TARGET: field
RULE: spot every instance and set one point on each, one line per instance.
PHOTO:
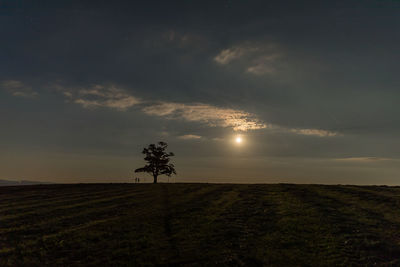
(199, 224)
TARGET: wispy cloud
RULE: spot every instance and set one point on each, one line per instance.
(314, 132)
(113, 97)
(18, 88)
(364, 159)
(102, 96)
(189, 137)
(263, 65)
(228, 55)
(257, 58)
(208, 114)
(213, 116)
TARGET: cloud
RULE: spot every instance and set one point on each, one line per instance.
(18, 88)
(213, 116)
(256, 58)
(208, 114)
(261, 69)
(228, 55)
(263, 65)
(363, 159)
(102, 96)
(314, 132)
(190, 136)
(223, 117)
(113, 97)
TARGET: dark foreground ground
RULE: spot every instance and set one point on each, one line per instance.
(199, 224)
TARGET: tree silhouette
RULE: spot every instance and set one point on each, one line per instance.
(157, 161)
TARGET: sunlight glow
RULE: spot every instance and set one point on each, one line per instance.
(238, 139)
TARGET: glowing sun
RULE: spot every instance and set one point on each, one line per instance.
(238, 139)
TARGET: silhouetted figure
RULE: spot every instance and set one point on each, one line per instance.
(157, 161)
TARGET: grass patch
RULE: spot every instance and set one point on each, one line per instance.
(199, 224)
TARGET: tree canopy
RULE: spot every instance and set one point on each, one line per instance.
(158, 161)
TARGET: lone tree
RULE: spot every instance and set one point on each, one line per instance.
(157, 161)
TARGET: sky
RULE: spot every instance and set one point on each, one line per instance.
(311, 87)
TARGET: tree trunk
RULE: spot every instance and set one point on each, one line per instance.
(155, 179)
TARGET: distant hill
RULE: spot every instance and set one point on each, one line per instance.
(199, 225)
(21, 182)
